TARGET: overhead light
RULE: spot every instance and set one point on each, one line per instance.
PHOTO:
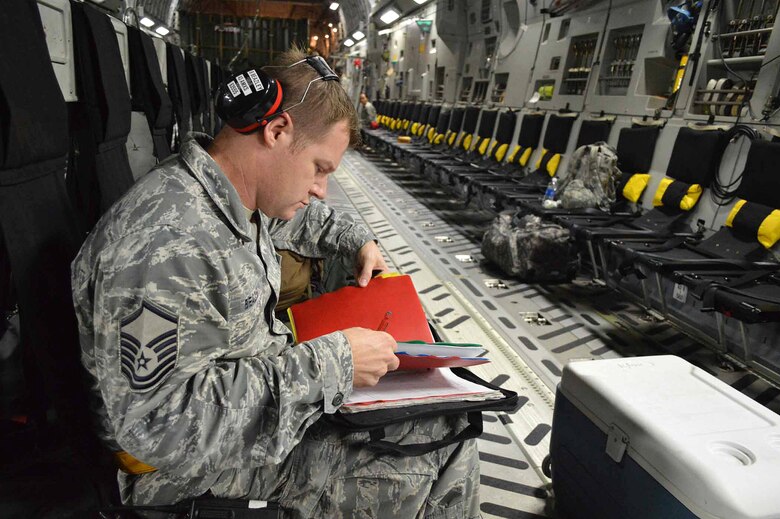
(334, 6)
(327, 36)
(162, 31)
(384, 31)
(420, 2)
(330, 24)
(389, 16)
(335, 30)
(348, 42)
(358, 35)
(147, 22)
(315, 37)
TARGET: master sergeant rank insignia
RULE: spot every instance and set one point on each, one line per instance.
(148, 346)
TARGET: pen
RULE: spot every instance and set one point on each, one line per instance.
(385, 322)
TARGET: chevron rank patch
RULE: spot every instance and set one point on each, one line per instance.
(148, 346)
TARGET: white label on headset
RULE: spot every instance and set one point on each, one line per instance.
(256, 80)
(234, 89)
(242, 82)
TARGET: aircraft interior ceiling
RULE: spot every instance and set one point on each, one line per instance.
(485, 109)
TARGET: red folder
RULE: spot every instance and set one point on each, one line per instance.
(365, 307)
(415, 362)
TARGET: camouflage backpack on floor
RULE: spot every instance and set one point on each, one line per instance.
(530, 249)
(590, 178)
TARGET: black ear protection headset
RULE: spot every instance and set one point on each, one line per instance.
(248, 100)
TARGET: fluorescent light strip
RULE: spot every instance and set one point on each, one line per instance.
(334, 6)
(162, 31)
(358, 35)
(147, 22)
(389, 16)
(348, 42)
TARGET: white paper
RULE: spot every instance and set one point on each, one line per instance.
(415, 387)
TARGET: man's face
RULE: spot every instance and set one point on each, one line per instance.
(363, 99)
(303, 172)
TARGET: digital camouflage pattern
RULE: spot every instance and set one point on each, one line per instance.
(528, 248)
(591, 178)
(193, 375)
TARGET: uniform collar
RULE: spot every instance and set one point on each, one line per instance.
(217, 186)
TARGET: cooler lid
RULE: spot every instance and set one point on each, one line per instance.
(712, 447)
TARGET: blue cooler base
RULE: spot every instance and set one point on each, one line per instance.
(588, 484)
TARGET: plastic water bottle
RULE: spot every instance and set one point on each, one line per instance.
(552, 188)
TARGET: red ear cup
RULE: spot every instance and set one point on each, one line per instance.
(246, 99)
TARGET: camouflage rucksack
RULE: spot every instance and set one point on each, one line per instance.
(590, 178)
(530, 249)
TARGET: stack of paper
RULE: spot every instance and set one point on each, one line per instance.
(420, 355)
(407, 388)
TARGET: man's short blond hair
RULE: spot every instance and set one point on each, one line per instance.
(326, 102)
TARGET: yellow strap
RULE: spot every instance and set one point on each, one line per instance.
(483, 145)
(552, 164)
(406, 125)
(525, 156)
(659, 193)
(129, 465)
(501, 152)
(467, 142)
(769, 230)
(492, 147)
(539, 161)
(438, 138)
(458, 140)
(513, 154)
(635, 186)
(733, 213)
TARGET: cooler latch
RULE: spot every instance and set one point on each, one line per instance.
(617, 443)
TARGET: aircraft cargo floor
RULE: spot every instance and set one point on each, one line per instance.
(427, 233)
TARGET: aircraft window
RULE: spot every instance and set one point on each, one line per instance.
(499, 87)
(490, 46)
(439, 92)
(564, 30)
(578, 62)
(480, 90)
(465, 91)
(484, 14)
(617, 66)
(555, 63)
(546, 34)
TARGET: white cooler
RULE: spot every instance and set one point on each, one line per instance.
(656, 437)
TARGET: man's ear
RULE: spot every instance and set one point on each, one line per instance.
(278, 129)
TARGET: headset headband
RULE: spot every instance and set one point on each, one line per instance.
(248, 100)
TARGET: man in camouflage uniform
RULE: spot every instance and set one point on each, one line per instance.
(198, 387)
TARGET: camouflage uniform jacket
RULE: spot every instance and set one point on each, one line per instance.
(175, 301)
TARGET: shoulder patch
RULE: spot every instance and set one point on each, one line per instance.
(148, 346)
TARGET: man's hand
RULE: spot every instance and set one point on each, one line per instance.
(373, 355)
(368, 259)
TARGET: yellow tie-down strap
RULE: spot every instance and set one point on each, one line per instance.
(484, 145)
(525, 156)
(467, 142)
(130, 465)
(501, 152)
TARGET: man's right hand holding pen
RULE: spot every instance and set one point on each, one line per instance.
(373, 354)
